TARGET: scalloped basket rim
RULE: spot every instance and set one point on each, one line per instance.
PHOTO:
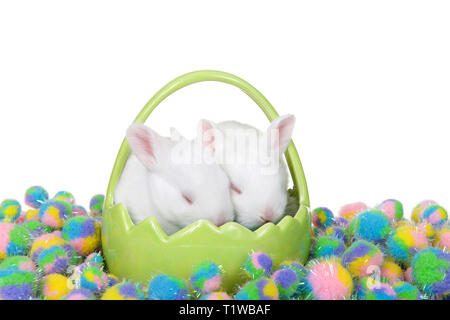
(225, 229)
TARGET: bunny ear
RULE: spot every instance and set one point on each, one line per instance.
(207, 134)
(281, 130)
(145, 144)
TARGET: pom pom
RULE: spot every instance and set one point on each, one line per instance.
(93, 278)
(47, 241)
(123, 291)
(262, 288)
(21, 263)
(404, 242)
(391, 272)
(327, 279)
(406, 291)
(83, 233)
(65, 196)
(322, 218)
(35, 196)
(53, 260)
(435, 214)
(431, 271)
(427, 228)
(206, 277)
(393, 209)
(79, 294)
(258, 264)
(218, 295)
(362, 258)
(32, 214)
(55, 286)
(96, 204)
(54, 213)
(372, 225)
(14, 240)
(287, 282)
(16, 284)
(295, 266)
(442, 240)
(10, 210)
(349, 211)
(337, 232)
(36, 228)
(96, 258)
(327, 246)
(341, 222)
(78, 211)
(165, 287)
(418, 210)
(371, 289)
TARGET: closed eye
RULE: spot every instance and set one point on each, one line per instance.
(235, 189)
(188, 199)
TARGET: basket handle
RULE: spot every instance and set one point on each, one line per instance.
(292, 158)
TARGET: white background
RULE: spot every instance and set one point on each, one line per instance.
(369, 82)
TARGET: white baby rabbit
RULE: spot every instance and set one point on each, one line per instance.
(156, 183)
(253, 162)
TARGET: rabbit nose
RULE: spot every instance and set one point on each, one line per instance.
(267, 215)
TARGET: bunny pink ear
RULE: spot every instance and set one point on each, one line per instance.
(282, 127)
(145, 143)
(207, 134)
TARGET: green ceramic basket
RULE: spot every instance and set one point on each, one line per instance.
(139, 252)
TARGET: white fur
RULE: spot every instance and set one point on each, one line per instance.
(263, 194)
(153, 184)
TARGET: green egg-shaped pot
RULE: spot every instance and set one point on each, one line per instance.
(139, 252)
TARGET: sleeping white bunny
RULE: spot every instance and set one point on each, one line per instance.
(252, 160)
(155, 182)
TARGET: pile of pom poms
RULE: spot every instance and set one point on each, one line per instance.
(50, 249)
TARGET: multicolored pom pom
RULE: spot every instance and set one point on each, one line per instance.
(65, 196)
(349, 211)
(53, 260)
(14, 240)
(442, 240)
(96, 204)
(391, 272)
(218, 295)
(78, 210)
(418, 209)
(322, 218)
(35, 196)
(287, 282)
(123, 291)
(392, 208)
(362, 259)
(327, 279)
(93, 278)
(371, 289)
(95, 257)
(328, 246)
(406, 291)
(22, 263)
(165, 287)
(36, 228)
(10, 210)
(16, 284)
(404, 242)
(258, 264)
(262, 288)
(431, 271)
(55, 286)
(32, 214)
(83, 233)
(427, 228)
(434, 214)
(337, 232)
(206, 277)
(46, 241)
(79, 294)
(54, 213)
(341, 222)
(371, 225)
